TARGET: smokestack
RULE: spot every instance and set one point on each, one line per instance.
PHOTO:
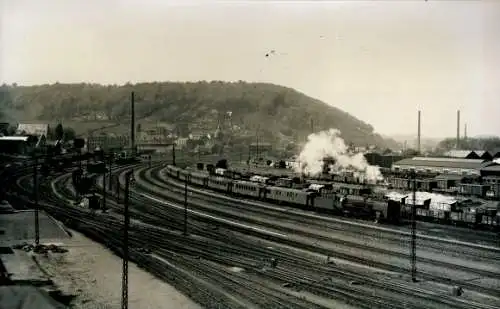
(418, 133)
(465, 131)
(458, 129)
(132, 123)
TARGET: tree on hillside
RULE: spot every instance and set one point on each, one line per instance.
(281, 111)
(471, 143)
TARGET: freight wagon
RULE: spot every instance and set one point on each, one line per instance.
(343, 199)
(320, 198)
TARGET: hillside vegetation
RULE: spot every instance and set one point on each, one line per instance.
(278, 113)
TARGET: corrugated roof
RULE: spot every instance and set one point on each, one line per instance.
(444, 162)
(439, 159)
(495, 151)
(458, 153)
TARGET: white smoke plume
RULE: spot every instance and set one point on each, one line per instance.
(329, 144)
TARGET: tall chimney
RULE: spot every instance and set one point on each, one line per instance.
(132, 123)
(458, 129)
(418, 134)
(465, 132)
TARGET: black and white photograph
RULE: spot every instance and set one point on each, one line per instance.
(249, 154)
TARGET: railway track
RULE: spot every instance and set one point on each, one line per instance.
(245, 289)
(209, 252)
(374, 251)
(252, 247)
(446, 280)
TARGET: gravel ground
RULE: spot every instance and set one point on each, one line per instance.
(93, 273)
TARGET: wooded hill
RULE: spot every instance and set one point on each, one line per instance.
(277, 113)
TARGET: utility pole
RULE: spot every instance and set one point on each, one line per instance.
(173, 153)
(35, 198)
(185, 204)
(258, 155)
(312, 126)
(109, 173)
(104, 187)
(117, 182)
(132, 124)
(125, 243)
(413, 252)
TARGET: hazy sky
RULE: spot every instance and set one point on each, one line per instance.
(380, 61)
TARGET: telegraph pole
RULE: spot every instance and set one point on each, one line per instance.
(185, 203)
(104, 188)
(132, 123)
(35, 198)
(413, 252)
(125, 243)
(173, 153)
(109, 173)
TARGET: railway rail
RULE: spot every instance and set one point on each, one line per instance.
(491, 273)
(204, 259)
(274, 253)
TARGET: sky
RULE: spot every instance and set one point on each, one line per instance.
(381, 61)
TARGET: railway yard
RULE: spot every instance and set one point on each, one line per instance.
(247, 253)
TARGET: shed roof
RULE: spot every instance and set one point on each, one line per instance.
(445, 162)
(481, 152)
(458, 153)
(495, 152)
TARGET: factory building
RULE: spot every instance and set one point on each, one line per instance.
(430, 165)
(469, 154)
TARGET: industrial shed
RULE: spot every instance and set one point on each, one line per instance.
(495, 153)
(469, 154)
(442, 165)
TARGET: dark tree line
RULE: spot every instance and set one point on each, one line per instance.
(279, 111)
(471, 143)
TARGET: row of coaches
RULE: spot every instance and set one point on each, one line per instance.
(342, 200)
(339, 198)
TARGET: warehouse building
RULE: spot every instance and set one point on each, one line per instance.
(431, 165)
(469, 154)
